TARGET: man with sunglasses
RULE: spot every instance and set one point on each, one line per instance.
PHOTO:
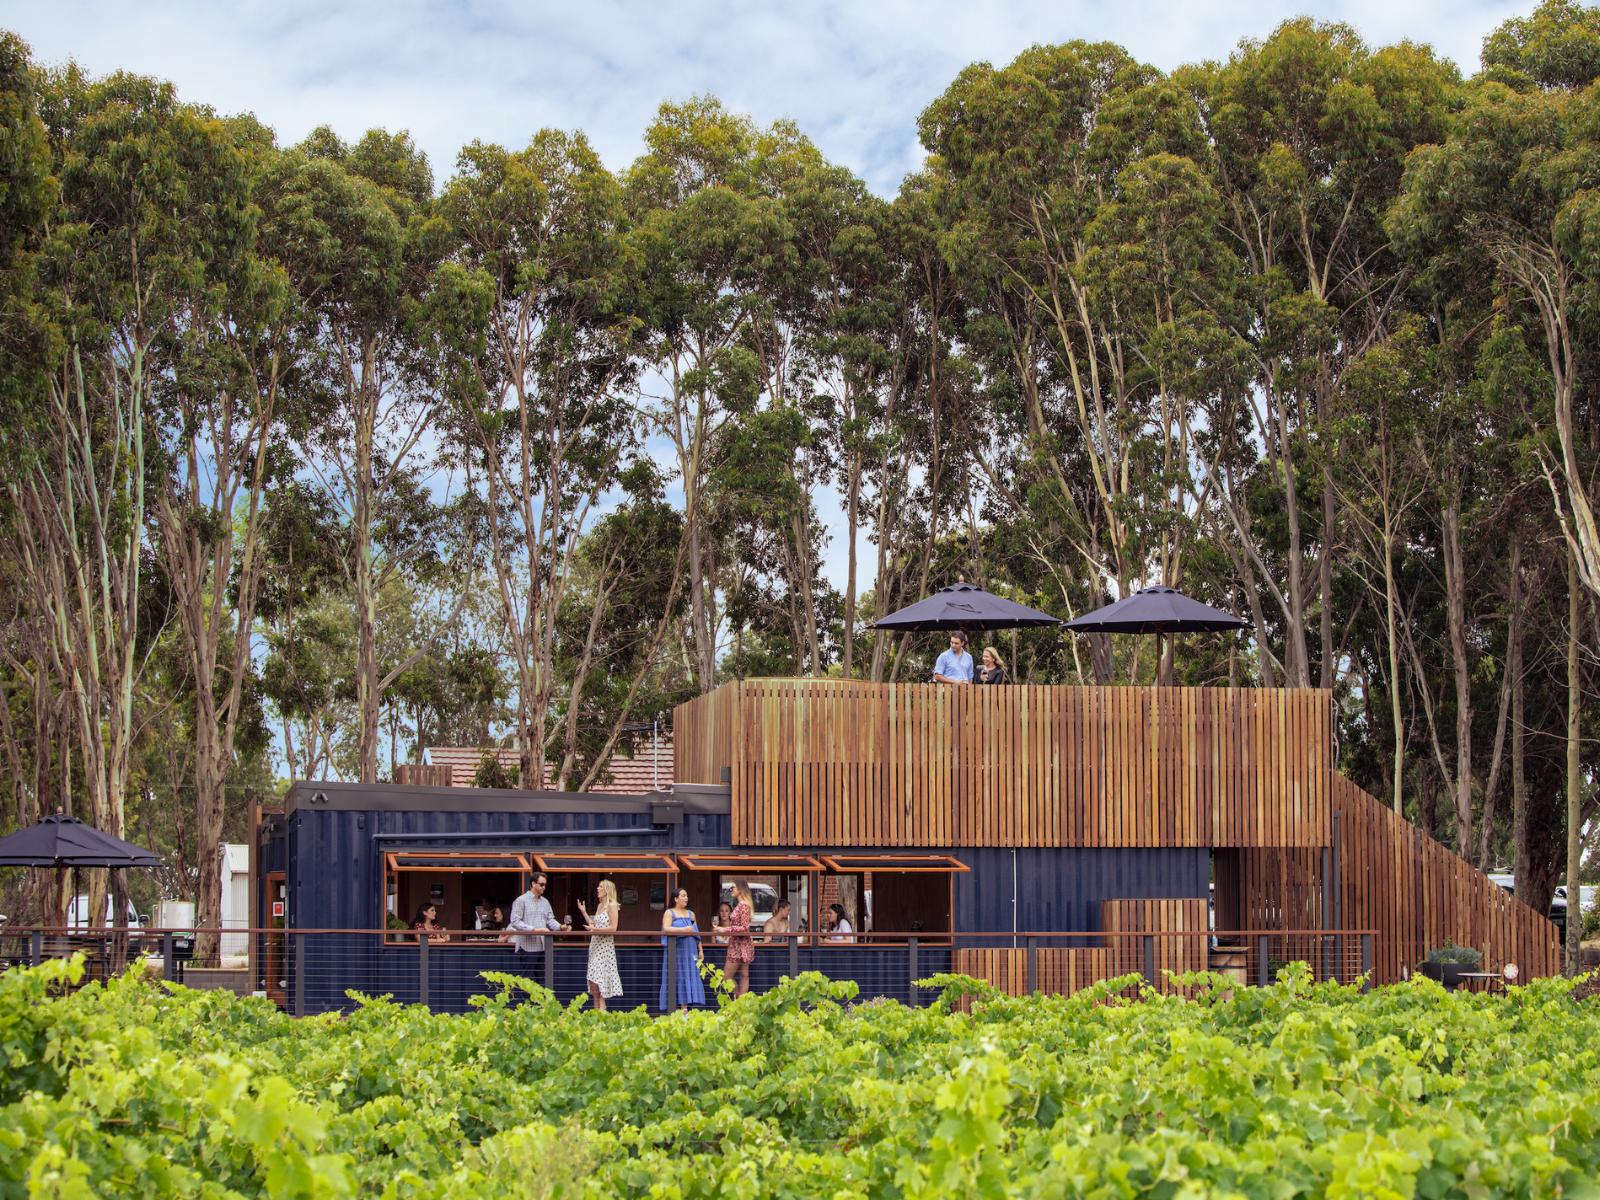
(531, 911)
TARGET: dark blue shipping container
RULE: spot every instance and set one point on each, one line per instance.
(325, 857)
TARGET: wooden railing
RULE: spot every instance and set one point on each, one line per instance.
(1395, 879)
(820, 762)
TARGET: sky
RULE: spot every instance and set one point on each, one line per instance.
(853, 76)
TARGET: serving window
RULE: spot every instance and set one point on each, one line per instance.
(772, 879)
(643, 883)
(897, 894)
(465, 888)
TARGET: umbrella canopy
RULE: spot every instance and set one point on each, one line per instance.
(965, 606)
(1157, 610)
(59, 841)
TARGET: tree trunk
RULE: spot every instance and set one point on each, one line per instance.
(1329, 673)
(1522, 859)
(1394, 665)
(1491, 789)
(1456, 602)
(851, 520)
(1574, 769)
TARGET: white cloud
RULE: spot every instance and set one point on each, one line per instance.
(853, 75)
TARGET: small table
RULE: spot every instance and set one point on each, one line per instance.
(1466, 975)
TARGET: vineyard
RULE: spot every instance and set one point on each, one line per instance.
(134, 1090)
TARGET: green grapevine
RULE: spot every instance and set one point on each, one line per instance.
(142, 1089)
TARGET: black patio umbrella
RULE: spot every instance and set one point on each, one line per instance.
(60, 841)
(1157, 610)
(965, 606)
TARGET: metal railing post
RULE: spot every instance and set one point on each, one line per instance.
(299, 974)
(169, 966)
(550, 963)
(1150, 959)
(1033, 966)
(670, 974)
(1366, 963)
(911, 974)
(794, 956)
(1261, 961)
(36, 948)
(422, 970)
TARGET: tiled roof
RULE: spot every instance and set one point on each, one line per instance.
(642, 773)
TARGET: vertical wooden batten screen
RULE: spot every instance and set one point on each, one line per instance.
(1394, 878)
(820, 762)
(1174, 954)
(703, 736)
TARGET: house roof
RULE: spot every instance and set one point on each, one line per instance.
(647, 771)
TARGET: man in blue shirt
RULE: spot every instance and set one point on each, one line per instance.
(955, 664)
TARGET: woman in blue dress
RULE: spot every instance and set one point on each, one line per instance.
(690, 989)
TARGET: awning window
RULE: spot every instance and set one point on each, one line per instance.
(640, 864)
(448, 861)
(751, 864)
(846, 864)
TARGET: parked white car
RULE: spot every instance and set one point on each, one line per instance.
(1559, 900)
(78, 913)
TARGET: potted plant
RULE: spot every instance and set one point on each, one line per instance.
(1446, 963)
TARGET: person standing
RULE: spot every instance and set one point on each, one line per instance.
(741, 946)
(955, 664)
(605, 982)
(531, 911)
(688, 953)
(993, 670)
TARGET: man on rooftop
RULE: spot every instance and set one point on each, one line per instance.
(955, 664)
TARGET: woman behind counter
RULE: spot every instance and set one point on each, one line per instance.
(741, 947)
(689, 954)
(991, 670)
(605, 983)
(427, 922)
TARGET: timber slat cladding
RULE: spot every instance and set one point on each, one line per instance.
(1393, 878)
(1176, 955)
(1062, 971)
(845, 762)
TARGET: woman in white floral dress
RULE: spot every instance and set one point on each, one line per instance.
(604, 981)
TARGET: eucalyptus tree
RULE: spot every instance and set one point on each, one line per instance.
(226, 350)
(1536, 111)
(359, 241)
(627, 596)
(154, 212)
(923, 429)
(540, 367)
(1023, 179)
(1308, 129)
(705, 236)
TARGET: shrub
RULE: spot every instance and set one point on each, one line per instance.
(1452, 953)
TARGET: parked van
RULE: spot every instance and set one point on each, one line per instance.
(78, 913)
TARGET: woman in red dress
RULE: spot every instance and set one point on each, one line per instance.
(741, 946)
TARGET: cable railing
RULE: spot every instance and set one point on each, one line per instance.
(307, 971)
